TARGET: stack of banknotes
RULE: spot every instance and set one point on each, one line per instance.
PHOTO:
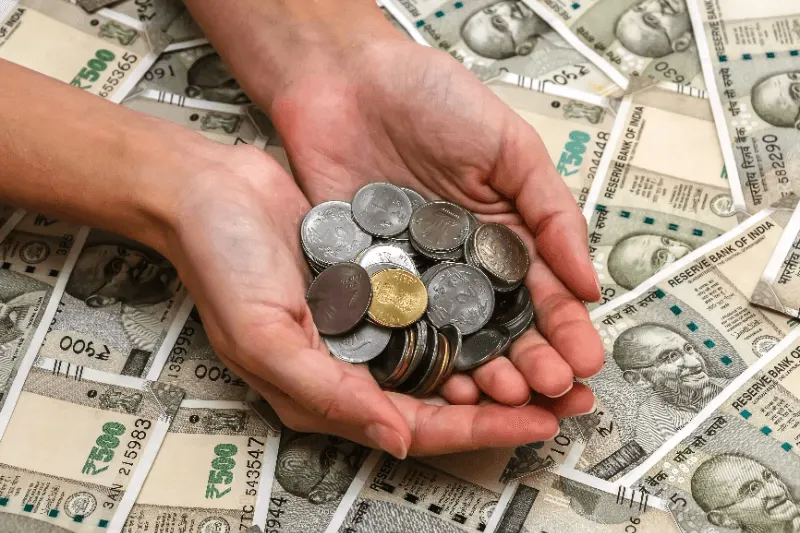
(116, 414)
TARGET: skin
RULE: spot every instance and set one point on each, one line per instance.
(777, 100)
(754, 498)
(352, 100)
(655, 28)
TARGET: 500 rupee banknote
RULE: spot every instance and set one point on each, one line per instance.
(751, 61)
(676, 342)
(661, 189)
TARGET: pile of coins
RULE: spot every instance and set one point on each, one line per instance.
(416, 289)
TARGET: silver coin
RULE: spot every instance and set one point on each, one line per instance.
(461, 295)
(426, 367)
(387, 253)
(439, 226)
(481, 347)
(329, 235)
(416, 198)
(429, 273)
(454, 338)
(453, 255)
(381, 209)
(501, 253)
(386, 367)
(521, 325)
(363, 344)
(379, 267)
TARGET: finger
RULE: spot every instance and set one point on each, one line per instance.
(456, 428)
(525, 173)
(564, 322)
(460, 389)
(501, 380)
(544, 369)
(578, 401)
(277, 349)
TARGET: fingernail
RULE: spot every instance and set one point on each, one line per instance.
(526, 402)
(590, 411)
(599, 289)
(558, 430)
(563, 393)
(387, 439)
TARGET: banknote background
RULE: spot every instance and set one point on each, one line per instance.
(659, 167)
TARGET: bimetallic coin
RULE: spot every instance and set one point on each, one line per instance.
(439, 227)
(416, 198)
(387, 253)
(378, 267)
(460, 295)
(387, 365)
(381, 209)
(339, 298)
(481, 347)
(501, 253)
(399, 298)
(361, 345)
(329, 235)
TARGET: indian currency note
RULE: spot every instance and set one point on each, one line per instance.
(213, 472)
(390, 495)
(9, 217)
(676, 342)
(90, 6)
(35, 261)
(737, 468)
(78, 447)
(493, 36)
(751, 60)
(312, 475)
(629, 39)
(197, 73)
(779, 286)
(92, 52)
(121, 311)
(573, 501)
(166, 22)
(395, 20)
(574, 126)
(194, 366)
(661, 190)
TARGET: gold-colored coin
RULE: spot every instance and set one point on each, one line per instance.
(399, 298)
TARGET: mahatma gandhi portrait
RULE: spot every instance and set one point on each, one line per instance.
(638, 257)
(106, 274)
(505, 29)
(671, 372)
(776, 99)
(209, 79)
(318, 468)
(655, 28)
(741, 494)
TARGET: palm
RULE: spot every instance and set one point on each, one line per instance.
(421, 120)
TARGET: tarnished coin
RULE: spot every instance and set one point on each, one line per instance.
(399, 298)
(416, 198)
(425, 333)
(461, 295)
(437, 377)
(381, 209)
(339, 297)
(439, 227)
(508, 307)
(481, 347)
(387, 253)
(501, 253)
(521, 324)
(455, 340)
(329, 235)
(363, 344)
(389, 363)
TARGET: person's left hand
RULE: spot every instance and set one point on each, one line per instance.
(413, 116)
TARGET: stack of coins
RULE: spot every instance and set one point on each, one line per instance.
(415, 289)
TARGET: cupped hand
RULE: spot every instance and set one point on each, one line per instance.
(400, 112)
(236, 245)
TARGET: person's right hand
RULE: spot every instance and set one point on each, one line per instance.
(235, 241)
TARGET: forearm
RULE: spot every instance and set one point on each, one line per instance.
(271, 44)
(73, 155)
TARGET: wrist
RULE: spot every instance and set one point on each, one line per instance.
(274, 45)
